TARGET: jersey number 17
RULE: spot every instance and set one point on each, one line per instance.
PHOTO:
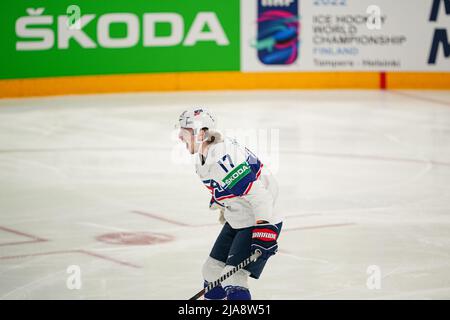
(226, 163)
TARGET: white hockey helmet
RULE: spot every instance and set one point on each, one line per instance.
(197, 119)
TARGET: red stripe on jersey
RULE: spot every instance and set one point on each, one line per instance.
(259, 171)
(251, 184)
(226, 197)
(248, 188)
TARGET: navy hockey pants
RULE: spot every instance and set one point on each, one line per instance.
(233, 245)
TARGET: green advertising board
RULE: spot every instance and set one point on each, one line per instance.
(92, 37)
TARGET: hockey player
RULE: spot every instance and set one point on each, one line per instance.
(245, 194)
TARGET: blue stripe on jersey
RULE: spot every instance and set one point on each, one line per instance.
(253, 161)
(238, 189)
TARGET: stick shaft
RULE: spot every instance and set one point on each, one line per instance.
(214, 284)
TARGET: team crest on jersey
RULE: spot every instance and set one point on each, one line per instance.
(216, 190)
(212, 185)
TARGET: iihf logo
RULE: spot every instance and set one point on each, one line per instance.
(278, 31)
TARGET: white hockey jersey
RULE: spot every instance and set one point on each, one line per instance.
(239, 184)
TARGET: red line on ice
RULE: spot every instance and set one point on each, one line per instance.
(101, 256)
(20, 242)
(86, 252)
(320, 226)
(369, 157)
(412, 96)
(34, 239)
(22, 234)
(178, 223)
(158, 217)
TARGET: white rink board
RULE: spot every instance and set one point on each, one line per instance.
(407, 21)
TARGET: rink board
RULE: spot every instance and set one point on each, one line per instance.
(221, 81)
(255, 44)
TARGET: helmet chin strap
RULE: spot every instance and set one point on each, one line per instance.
(199, 143)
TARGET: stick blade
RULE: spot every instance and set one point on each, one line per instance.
(198, 295)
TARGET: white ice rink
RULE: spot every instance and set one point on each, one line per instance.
(95, 181)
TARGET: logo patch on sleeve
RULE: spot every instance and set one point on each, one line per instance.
(236, 175)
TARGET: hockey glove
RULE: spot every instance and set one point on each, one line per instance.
(264, 239)
(222, 216)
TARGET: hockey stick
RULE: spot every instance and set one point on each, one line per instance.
(214, 284)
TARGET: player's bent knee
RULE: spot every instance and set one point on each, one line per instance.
(212, 268)
(238, 279)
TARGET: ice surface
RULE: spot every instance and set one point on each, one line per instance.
(364, 180)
